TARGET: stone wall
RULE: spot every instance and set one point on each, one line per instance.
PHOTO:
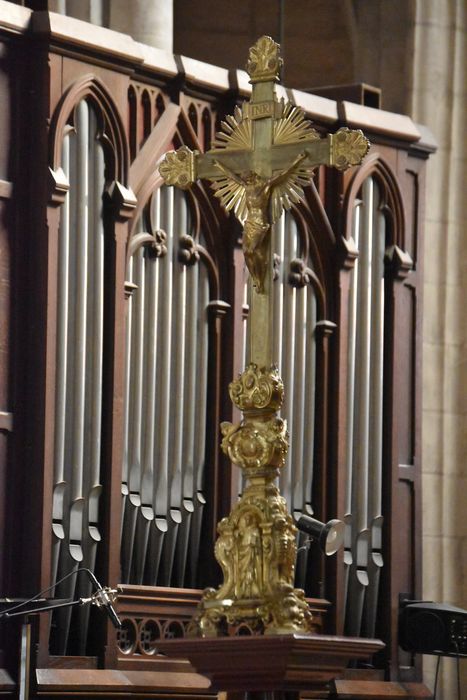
(439, 100)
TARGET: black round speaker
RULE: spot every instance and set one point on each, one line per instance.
(425, 631)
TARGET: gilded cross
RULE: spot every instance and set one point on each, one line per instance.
(261, 159)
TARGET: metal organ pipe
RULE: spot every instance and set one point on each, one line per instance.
(124, 537)
(79, 336)
(365, 412)
(93, 390)
(60, 483)
(199, 453)
(278, 290)
(150, 375)
(300, 371)
(310, 394)
(362, 367)
(202, 381)
(377, 350)
(351, 355)
(376, 416)
(191, 361)
(360, 535)
(97, 340)
(165, 350)
(128, 337)
(288, 353)
(177, 404)
(135, 399)
(137, 379)
(62, 318)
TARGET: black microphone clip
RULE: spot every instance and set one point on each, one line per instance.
(103, 598)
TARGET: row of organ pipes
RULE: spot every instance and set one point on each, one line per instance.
(165, 419)
(80, 344)
(363, 558)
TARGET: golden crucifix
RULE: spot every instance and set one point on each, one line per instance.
(259, 162)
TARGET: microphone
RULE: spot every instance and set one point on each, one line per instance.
(103, 598)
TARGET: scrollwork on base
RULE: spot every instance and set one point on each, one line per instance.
(256, 548)
(255, 445)
(257, 388)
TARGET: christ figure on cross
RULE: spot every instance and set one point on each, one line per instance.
(257, 192)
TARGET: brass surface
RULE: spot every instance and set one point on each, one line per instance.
(262, 157)
(178, 168)
(256, 546)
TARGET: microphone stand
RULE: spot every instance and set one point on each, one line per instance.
(35, 611)
(101, 599)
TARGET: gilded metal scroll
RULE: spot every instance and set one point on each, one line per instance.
(256, 546)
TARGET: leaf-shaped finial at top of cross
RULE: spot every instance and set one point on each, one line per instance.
(264, 61)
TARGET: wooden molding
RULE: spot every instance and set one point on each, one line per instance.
(398, 261)
(154, 148)
(377, 690)
(325, 328)
(348, 252)
(378, 120)
(275, 662)
(213, 77)
(218, 307)
(6, 421)
(68, 30)
(123, 200)
(59, 186)
(6, 189)
(6, 682)
(315, 106)
(99, 681)
(14, 17)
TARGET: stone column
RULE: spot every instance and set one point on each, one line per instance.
(150, 23)
(147, 22)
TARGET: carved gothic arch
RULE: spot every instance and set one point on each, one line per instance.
(311, 217)
(113, 135)
(300, 274)
(392, 201)
(173, 130)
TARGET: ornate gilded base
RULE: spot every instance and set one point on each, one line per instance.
(256, 548)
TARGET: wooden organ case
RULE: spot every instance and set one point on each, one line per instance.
(123, 316)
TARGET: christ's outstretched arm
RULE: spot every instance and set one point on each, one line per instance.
(229, 173)
(284, 174)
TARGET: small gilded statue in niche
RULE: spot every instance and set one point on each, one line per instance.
(249, 557)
